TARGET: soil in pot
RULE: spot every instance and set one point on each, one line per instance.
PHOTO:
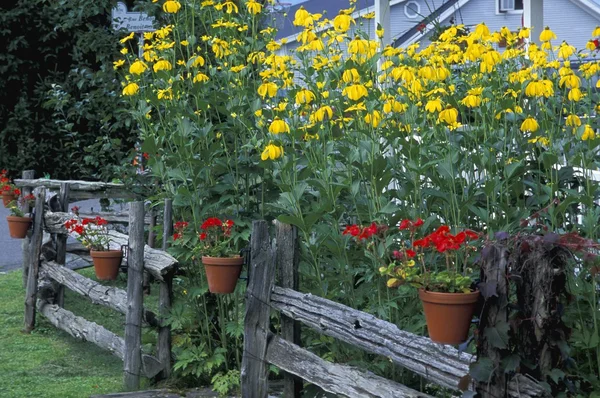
(106, 264)
(448, 315)
(6, 199)
(18, 226)
(222, 273)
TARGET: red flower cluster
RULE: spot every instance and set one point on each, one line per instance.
(443, 240)
(363, 233)
(74, 225)
(179, 227)
(214, 222)
(408, 224)
(7, 188)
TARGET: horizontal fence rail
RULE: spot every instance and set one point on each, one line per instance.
(80, 189)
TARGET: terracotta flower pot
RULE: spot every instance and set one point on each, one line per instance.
(18, 226)
(6, 199)
(106, 264)
(222, 273)
(448, 315)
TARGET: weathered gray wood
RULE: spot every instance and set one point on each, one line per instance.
(61, 241)
(334, 378)
(163, 348)
(255, 371)
(167, 223)
(109, 296)
(157, 262)
(288, 254)
(34, 260)
(83, 329)
(80, 189)
(25, 244)
(133, 318)
(494, 273)
(151, 231)
(441, 364)
(121, 217)
(165, 298)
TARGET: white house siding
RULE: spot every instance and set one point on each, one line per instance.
(570, 22)
(477, 11)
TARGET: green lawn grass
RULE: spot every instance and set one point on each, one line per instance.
(48, 362)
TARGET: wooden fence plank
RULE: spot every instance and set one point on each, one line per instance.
(165, 298)
(80, 189)
(338, 379)
(288, 254)
(83, 329)
(255, 370)
(25, 244)
(34, 259)
(97, 293)
(61, 241)
(135, 296)
(441, 364)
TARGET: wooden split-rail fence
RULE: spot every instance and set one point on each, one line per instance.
(439, 364)
(45, 275)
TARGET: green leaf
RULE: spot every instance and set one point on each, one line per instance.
(498, 335)
(556, 375)
(482, 369)
(511, 363)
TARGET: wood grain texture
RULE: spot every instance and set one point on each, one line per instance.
(25, 244)
(157, 262)
(133, 318)
(80, 189)
(61, 240)
(255, 371)
(109, 296)
(441, 364)
(83, 329)
(288, 255)
(334, 378)
(34, 260)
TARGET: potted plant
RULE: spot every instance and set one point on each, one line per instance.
(93, 234)
(8, 191)
(437, 265)
(18, 221)
(219, 246)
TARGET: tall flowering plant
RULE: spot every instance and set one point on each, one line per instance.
(91, 232)
(438, 262)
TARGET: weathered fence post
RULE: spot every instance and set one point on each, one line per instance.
(34, 259)
(495, 312)
(255, 370)
(133, 318)
(165, 297)
(287, 266)
(61, 241)
(27, 174)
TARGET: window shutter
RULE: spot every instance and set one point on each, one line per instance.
(507, 5)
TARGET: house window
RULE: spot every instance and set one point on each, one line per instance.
(412, 9)
(510, 5)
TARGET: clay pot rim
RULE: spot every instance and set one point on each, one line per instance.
(208, 260)
(106, 253)
(19, 219)
(448, 298)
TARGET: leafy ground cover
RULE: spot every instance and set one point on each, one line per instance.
(48, 362)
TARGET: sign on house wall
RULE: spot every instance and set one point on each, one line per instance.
(130, 21)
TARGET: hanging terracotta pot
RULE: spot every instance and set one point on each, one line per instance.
(106, 264)
(222, 273)
(7, 198)
(448, 315)
(18, 226)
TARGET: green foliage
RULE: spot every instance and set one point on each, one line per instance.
(60, 106)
